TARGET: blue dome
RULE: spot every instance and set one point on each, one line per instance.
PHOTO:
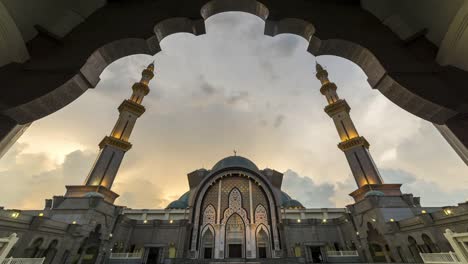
(288, 202)
(235, 162)
(374, 193)
(180, 203)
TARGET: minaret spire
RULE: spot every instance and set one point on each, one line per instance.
(355, 147)
(114, 146)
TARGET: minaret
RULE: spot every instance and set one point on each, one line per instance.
(355, 147)
(114, 146)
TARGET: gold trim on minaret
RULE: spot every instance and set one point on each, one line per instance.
(337, 107)
(115, 142)
(354, 146)
(353, 142)
(114, 147)
(131, 106)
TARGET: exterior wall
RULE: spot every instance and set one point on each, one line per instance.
(395, 222)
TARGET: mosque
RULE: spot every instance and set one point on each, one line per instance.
(232, 212)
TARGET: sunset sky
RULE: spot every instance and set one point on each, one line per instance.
(233, 88)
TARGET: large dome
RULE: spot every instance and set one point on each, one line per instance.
(180, 203)
(235, 162)
(288, 202)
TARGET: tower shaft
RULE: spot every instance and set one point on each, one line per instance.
(114, 146)
(355, 147)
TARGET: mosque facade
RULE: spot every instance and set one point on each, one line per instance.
(233, 211)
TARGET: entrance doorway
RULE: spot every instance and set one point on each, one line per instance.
(316, 254)
(377, 252)
(153, 256)
(208, 244)
(235, 251)
(235, 237)
(262, 244)
(208, 253)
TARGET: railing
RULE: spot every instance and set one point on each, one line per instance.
(23, 261)
(343, 253)
(137, 255)
(440, 258)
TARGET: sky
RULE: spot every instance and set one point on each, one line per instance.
(231, 89)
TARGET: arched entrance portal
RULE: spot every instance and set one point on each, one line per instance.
(208, 244)
(235, 237)
(263, 249)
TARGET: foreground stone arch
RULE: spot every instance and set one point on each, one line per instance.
(404, 71)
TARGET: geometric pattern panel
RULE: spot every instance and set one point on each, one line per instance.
(209, 216)
(229, 183)
(261, 216)
(235, 206)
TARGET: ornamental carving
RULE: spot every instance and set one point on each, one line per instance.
(235, 206)
(209, 216)
(261, 215)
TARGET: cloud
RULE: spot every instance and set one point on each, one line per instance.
(279, 120)
(238, 97)
(221, 91)
(207, 88)
(35, 176)
(131, 194)
(306, 191)
(430, 192)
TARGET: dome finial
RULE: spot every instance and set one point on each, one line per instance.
(151, 66)
(318, 67)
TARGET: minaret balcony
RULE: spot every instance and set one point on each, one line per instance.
(115, 142)
(139, 86)
(353, 142)
(337, 107)
(132, 107)
(328, 86)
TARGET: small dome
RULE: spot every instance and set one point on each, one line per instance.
(292, 204)
(180, 203)
(235, 162)
(288, 202)
(93, 194)
(374, 193)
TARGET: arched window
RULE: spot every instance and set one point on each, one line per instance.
(413, 248)
(33, 250)
(50, 252)
(430, 246)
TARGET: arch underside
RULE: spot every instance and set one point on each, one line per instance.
(405, 73)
